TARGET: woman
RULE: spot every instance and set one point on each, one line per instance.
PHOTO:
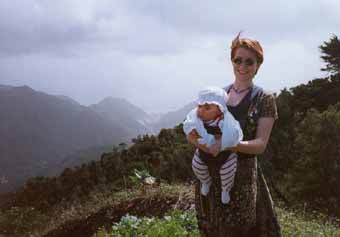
(250, 211)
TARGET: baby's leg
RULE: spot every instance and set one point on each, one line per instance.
(227, 173)
(202, 173)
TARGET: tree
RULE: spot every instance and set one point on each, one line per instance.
(316, 177)
(330, 54)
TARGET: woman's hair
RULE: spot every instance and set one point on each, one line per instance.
(250, 44)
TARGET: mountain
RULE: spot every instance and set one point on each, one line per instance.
(126, 115)
(68, 99)
(41, 134)
(38, 130)
(173, 118)
(134, 120)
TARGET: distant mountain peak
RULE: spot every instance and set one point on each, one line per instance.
(23, 88)
(119, 104)
(68, 99)
(114, 100)
(5, 87)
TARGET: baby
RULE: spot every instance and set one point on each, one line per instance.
(212, 121)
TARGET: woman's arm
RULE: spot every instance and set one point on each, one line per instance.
(255, 146)
(259, 144)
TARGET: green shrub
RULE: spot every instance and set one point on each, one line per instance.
(175, 224)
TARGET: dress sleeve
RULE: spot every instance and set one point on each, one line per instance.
(268, 107)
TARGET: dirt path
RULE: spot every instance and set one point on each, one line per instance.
(146, 206)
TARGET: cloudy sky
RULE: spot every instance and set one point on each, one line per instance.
(157, 54)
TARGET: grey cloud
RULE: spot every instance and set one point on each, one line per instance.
(53, 28)
(32, 27)
(152, 27)
(274, 18)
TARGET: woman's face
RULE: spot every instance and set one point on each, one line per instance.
(244, 64)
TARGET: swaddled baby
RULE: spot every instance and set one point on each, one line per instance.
(212, 121)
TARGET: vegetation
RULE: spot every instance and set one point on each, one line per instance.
(175, 224)
(181, 223)
(167, 156)
(298, 222)
(331, 55)
(302, 159)
(24, 221)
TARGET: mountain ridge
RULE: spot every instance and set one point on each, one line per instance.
(40, 130)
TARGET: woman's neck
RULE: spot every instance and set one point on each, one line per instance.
(241, 85)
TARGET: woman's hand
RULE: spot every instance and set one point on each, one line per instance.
(234, 148)
(216, 148)
(193, 136)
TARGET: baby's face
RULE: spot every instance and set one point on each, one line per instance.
(208, 112)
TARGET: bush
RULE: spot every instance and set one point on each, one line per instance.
(316, 175)
(175, 224)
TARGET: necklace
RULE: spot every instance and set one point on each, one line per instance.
(239, 91)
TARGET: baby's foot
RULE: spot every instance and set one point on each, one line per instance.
(205, 188)
(225, 197)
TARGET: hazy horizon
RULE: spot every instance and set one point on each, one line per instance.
(157, 55)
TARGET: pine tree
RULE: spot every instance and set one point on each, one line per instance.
(330, 54)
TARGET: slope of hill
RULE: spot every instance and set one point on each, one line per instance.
(80, 157)
(38, 130)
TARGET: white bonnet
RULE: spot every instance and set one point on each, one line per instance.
(213, 95)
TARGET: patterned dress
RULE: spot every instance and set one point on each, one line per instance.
(250, 211)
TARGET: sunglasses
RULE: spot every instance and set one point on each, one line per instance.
(248, 62)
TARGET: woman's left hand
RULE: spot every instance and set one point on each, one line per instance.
(216, 148)
(233, 149)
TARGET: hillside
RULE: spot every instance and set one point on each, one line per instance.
(38, 130)
(136, 211)
(41, 131)
(79, 158)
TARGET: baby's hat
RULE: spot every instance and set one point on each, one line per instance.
(213, 95)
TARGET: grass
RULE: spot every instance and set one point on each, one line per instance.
(27, 221)
(30, 222)
(180, 223)
(294, 223)
(312, 224)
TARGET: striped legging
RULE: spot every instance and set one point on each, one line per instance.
(227, 171)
